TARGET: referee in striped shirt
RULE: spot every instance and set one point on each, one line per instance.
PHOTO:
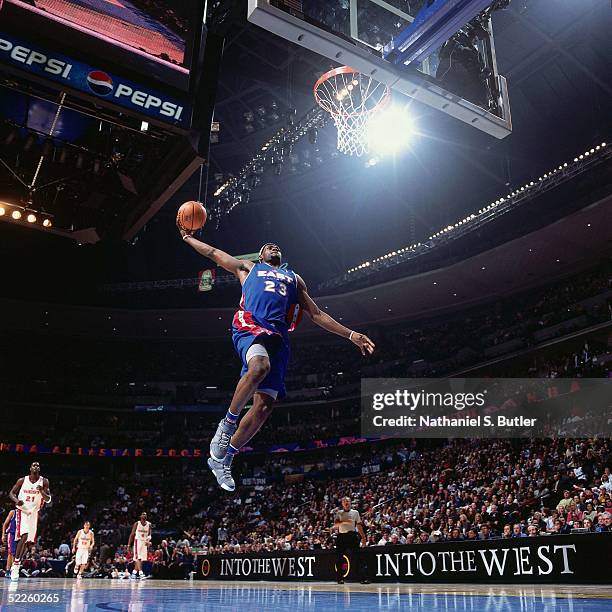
(350, 529)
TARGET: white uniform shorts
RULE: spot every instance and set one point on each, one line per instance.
(82, 556)
(26, 523)
(140, 550)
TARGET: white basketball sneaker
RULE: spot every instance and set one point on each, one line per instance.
(15, 571)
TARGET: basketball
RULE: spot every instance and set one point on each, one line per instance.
(191, 216)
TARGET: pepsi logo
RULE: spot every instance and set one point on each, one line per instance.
(100, 83)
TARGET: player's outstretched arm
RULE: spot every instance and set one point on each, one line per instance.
(322, 319)
(15, 492)
(237, 267)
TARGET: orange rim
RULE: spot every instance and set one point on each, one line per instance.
(347, 70)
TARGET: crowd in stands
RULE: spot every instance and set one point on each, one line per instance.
(129, 373)
(440, 347)
(419, 492)
(460, 490)
(112, 505)
(97, 428)
(407, 492)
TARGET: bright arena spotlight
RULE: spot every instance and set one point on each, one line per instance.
(390, 131)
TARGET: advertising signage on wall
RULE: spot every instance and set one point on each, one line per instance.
(93, 81)
(544, 559)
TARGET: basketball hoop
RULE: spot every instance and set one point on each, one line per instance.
(351, 98)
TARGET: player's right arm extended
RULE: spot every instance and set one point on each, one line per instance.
(15, 492)
(237, 267)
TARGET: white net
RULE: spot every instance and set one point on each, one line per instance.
(351, 98)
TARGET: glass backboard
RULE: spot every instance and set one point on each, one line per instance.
(440, 52)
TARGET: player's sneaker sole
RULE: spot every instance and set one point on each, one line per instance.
(215, 469)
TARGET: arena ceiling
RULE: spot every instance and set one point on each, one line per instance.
(339, 213)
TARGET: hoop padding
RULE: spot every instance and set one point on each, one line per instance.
(351, 98)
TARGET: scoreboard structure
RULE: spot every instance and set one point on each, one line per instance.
(141, 72)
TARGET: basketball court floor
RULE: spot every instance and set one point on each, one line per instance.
(284, 597)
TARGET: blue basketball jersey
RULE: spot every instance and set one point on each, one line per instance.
(12, 526)
(269, 301)
(12, 535)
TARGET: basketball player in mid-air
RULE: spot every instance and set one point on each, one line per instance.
(29, 494)
(272, 300)
(141, 538)
(82, 546)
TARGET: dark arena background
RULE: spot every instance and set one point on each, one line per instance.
(416, 197)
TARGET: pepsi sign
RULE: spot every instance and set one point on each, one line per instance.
(91, 80)
(100, 83)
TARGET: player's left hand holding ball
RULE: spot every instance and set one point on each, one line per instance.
(183, 232)
(191, 217)
(363, 342)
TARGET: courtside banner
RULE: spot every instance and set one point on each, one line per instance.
(486, 407)
(94, 81)
(30, 448)
(530, 560)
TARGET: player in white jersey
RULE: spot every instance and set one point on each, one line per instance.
(82, 545)
(141, 538)
(29, 495)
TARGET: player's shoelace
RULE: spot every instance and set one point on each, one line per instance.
(225, 440)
